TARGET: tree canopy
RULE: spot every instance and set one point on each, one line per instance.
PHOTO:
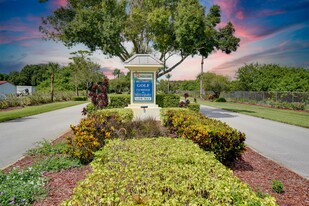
(161, 27)
(271, 77)
(215, 83)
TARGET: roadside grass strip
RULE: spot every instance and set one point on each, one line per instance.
(161, 171)
(280, 115)
(33, 110)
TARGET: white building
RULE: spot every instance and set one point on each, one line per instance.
(25, 90)
(6, 88)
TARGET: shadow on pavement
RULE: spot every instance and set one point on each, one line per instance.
(23, 119)
(216, 113)
(239, 110)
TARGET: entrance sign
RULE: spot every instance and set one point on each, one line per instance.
(143, 68)
(143, 87)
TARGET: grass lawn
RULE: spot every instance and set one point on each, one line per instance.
(33, 110)
(286, 116)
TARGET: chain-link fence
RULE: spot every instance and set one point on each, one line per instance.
(246, 96)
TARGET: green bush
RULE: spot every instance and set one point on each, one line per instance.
(287, 105)
(210, 134)
(161, 171)
(24, 187)
(167, 100)
(90, 108)
(34, 99)
(194, 107)
(47, 148)
(21, 187)
(221, 99)
(277, 186)
(119, 100)
(80, 98)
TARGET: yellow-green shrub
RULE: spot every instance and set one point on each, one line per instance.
(90, 134)
(210, 134)
(161, 171)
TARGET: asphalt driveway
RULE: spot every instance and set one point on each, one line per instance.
(17, 136)
(286, 144)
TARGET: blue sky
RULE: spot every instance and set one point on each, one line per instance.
(271, 31)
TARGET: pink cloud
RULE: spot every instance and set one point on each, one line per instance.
(18, 29)
(60, 3)
(240, 15)
(283, 43)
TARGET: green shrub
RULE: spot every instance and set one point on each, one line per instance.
(287, 105)
(221, 99)
(210, 134)
(34, 99)
(277, 186)
(21, 187)
(194, 107)
(55, 164)
(90, 108)
(161, 171)
(47, 148)
(80, 98)
(119, 100)
(167, 100)
(140, 129)
(24, 187)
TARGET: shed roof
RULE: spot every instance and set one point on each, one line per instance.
(143, 59)
(3, 82)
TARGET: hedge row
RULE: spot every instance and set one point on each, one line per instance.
(119, 100)
(211, 135)
(35, 99)
(167, 100)
(163, 100)
(161, 171)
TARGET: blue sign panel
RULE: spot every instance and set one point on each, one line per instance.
(143, 89)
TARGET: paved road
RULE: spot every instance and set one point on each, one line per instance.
(285, 144)
(17, 136)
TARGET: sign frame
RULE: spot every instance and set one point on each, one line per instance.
(143, 87)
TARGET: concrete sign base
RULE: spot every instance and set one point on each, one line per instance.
(142, 112)
(143, 68)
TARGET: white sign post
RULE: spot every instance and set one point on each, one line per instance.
(143, 68)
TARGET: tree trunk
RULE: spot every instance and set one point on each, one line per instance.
(76, 86)
(52, 78)
(201, 79)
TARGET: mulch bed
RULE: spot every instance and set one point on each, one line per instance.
(258, 171)
(253, 168)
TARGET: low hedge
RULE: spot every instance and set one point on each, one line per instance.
(119, 100)
(194, 107)
(210, 134)
(161, 171)
(167, 100)
(80, 98)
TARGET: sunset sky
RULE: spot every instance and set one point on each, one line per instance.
(271, 31)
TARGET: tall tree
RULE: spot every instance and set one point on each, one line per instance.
(52, 67)
(117, 73)
(168, 76)
(84, 71)
(272, 77)
(215, 83)
(164, 27)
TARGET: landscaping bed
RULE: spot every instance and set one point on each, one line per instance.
(252, 168)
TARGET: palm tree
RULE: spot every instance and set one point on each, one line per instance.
(52, 67)
(116, 73)
(168, 76)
